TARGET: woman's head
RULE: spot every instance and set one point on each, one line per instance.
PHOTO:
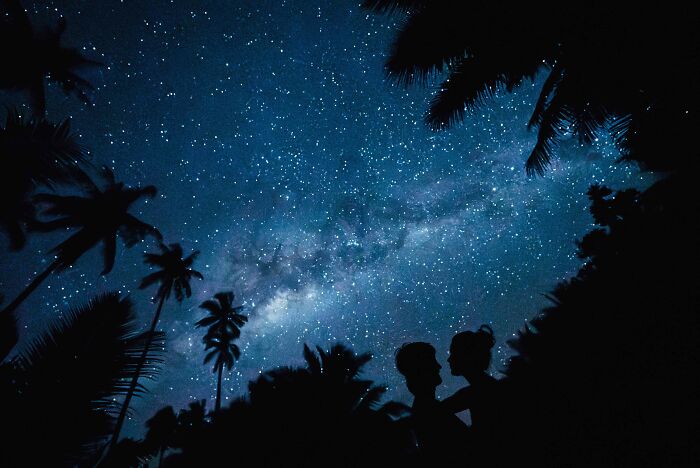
(470, 352)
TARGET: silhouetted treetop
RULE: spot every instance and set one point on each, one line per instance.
(600, 75)
(35, 153)
(175, 272)
(30, 56)
(100, 216)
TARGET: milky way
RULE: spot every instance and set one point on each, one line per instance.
(311, 187)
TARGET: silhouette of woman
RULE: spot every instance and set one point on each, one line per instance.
(470, 356)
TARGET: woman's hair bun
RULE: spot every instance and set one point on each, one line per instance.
(485, 333)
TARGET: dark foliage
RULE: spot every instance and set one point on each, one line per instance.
(101, 216)
(323, 414)
(174, 272)
(605, 377)
(29, 57)
(58, 393)
(35, 153)
(608, 66)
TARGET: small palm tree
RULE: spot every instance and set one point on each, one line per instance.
(30, 57)
(34, 153)
(162, 428)
(175, 274)
(224, 322)
(100, 216)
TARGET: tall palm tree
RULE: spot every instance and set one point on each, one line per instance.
(34, 153)
(224, 322)
(596, 61)
(63, 385)
(174, 274)
(30, 57)
(100, 216)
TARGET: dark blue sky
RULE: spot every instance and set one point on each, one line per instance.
(311, 187)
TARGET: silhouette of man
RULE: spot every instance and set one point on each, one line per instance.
(437, 433)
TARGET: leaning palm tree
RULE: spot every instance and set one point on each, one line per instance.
(101, 216)
(34, 153)
(30, 57)
(174, 274)
(224, 322)
(61, 392)
(598, 75)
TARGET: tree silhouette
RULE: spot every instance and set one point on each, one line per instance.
(100, 216)
(60, 390)
(161, 430)
(36, 153)
(604, 376)
(322, 414)
(30, 57)
(174, 274)
(224, 322)
(596, 61)
(164, 431)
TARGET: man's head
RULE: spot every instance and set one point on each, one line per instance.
(417, 363)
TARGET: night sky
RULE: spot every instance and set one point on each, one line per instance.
(311, 187)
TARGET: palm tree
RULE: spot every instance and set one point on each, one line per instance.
(35, 153)
(161, 432)
(63, 385)
(175, 275)
(30, 57)
(597, 65)
(100, 216)
(224, 322)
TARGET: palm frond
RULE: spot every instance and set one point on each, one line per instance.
(425, 45)
(212, 307)
(151, 279)
(133, 230)
(390, 6)
(8, 333)
(548, 89)
(225, 298)
(206, 321)
(312, 361)
(472, 82)
(97, 341)
(555, 118)
(109, 253)
(370, 401)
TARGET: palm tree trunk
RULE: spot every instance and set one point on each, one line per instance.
(31, 287)
(135, 379)
(218, 390)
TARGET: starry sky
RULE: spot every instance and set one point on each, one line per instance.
(311, 187)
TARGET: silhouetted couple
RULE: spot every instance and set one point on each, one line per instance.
(440, 436)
